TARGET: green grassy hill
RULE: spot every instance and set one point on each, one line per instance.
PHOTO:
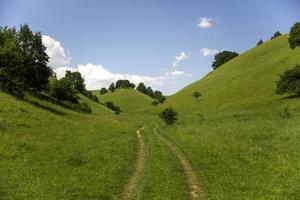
(49, 151)
(129, 100)
(242, 139)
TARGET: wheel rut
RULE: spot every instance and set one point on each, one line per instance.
(196, 191)
(131, 184)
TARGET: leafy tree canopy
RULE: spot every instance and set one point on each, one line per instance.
(223, 57)
(294, 38)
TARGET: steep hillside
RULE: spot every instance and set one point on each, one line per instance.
(129, 100)
(246, 80)
(242, 139)
(49, 151)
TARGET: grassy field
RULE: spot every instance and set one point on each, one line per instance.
(49, 152)
(242, 140)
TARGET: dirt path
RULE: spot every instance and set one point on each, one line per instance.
(128, 190)
(196, 191)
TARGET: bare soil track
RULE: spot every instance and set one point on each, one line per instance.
(129, 188)
(196, 191)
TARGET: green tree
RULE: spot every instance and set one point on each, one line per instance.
(159, 96)
(169, 115)
(260, 42)
(112, 87)
(149, 91)
(294, 38)
(103, 91)
(112, 106)
(276, 34)
(223, 57)
(76, 80)
(141, 88)
(62, 90)
(289, 82)
(197, 95)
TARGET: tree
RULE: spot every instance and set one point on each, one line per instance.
(149, 91)
(159, 96)
(197, 95)
(62, 90)
(141, 88)
(154, 103)
(103, 91)
(34, 59)
(294, 38)
(111, 87)
(76, 80)
(276, 34)
(289, 82)
(169, 115)
(112, 106)
(260, 42)
(223, 57)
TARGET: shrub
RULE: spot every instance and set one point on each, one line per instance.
(276, 34)
(197, 95)
(289, 82)
(112, 106)
(90, 95)
(112, 87)
(82, 106)
(103, 91)
(294, 38)
(169, 115)
(154, 103)
(62, 90)
(223, 57)
(260, 42)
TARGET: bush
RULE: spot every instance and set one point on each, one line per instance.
(197, 95)
(62, 90)
(289, 82)
(154, 103)
(260, 42)
(276, 34)
(90, 95)
(103, 91)
(169, 115)
(112, 106)
(82, 106)
(294, 38)
(223, 57)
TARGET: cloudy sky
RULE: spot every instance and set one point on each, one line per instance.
(165, 43)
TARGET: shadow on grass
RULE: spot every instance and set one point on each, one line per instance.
(297, 96)
(49, 109)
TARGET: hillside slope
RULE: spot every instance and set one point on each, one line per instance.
(129, 100)
(246, 80)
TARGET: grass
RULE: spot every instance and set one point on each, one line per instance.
(49, 152)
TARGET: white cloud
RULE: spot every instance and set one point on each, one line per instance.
(56, 52)
(204, 22)
(208, 52)
(179, 59)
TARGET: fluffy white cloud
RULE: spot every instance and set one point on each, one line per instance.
(208, 52)
(56, 52)
(179, 59)
(204, 22)
(96, 76)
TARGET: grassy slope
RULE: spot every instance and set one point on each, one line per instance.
(49, 152)
(129, 100)
(246, 148)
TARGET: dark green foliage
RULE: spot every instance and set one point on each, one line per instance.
(197, 95)
(90, 95)
(62, 90)
(260, 42)
(103, 91)
(111, 87)
(113, 107)
(154, 103)
(159, 96)
(149, 92)
(141, 88)
(23, 60)
(276, 34)
(223, 57)
(294, 38)
(124, 84)
(289, 82)
(76, 80)
(169, 115)
(82, 106)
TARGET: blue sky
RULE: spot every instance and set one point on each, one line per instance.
(138, 39)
